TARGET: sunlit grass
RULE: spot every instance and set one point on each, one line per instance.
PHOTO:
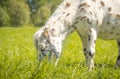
(18, 58)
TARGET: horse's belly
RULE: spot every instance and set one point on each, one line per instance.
(105, 31)
(109, 32)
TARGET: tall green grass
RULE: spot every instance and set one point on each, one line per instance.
(18, 58)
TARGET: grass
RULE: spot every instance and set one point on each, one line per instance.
(18, 58)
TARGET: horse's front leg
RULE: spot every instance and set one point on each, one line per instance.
(90, 49)
(54, 56)
(57, 56)
(89, 46)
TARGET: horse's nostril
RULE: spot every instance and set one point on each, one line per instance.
(42, 50)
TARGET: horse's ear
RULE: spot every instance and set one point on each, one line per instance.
(46, 32)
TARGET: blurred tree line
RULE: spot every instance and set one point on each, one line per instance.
(26, 12)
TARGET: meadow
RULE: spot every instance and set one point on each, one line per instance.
(18, 58)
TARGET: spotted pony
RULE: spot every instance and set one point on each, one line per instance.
(91, 19)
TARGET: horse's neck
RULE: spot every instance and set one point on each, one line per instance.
(63, 18)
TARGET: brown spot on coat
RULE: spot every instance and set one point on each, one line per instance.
(90, 30)
(75, 27)
(88, 21)
(69, 23)
(76, 22)
(102, 3)
(53, 29)
(91, 54)
(46, 32)
(97, 22)
(118, 15)
(84, 49)
(59, 18)
(83, 17)
(90, 13)
(94, 0)
(78, 18)
(113, 27)
(67, 5)
(84, 4)
(108, 22)
(88, 37)
(63, 12)
(109, 9)
(110, 14)
(67, 14)
(94, 41)
(54, 22)
(82, 9)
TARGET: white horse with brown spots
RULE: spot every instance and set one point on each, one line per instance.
(92, 19)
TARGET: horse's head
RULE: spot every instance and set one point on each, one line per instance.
(47, 43)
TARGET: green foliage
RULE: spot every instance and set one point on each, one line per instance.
(35, 18)
(44, 10)
(18, 58)
(19, 13)
(4, 17)
(40, 17)
(41, 2)
(3, 2)
(45, 13)
(55, 3)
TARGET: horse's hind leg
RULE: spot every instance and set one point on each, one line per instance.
(118, 59)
